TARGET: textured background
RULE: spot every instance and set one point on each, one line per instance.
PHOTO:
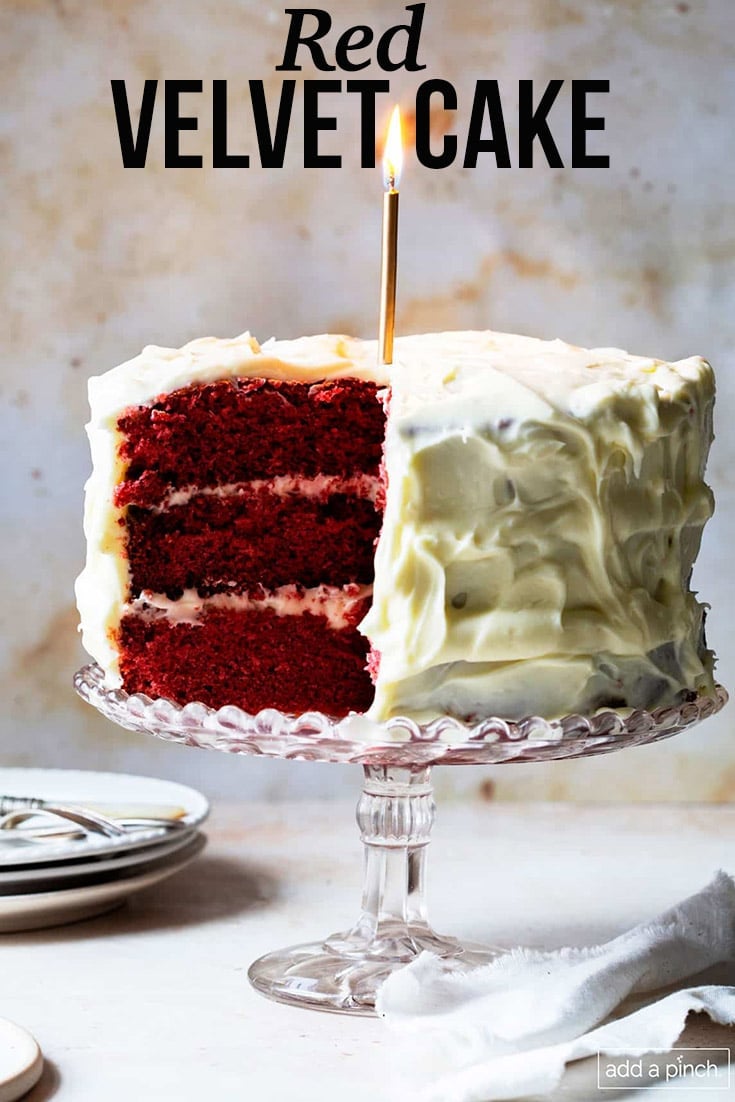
(98, 261)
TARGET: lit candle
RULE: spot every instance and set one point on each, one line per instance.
(392, 165)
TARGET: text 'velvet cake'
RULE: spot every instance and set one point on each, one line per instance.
(491, 525)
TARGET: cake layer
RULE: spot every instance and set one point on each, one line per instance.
(251, 538)
(237, 430)
(254, 658)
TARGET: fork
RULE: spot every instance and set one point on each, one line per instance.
(82, 818)
(153, 812)
(87, 820)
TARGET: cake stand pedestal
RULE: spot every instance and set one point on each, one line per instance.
(395, 812)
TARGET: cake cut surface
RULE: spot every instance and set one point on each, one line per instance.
(247, 514)
(492, 525)
(241, 430)
(253, 653)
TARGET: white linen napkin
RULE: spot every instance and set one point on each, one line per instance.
(508, 1029)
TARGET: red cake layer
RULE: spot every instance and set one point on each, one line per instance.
(234, 543)
(254, 659)
(182, 536)
(237, 430)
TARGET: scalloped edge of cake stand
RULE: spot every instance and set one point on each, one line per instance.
(356, 739)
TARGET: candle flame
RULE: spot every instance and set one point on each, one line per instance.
(393, 154)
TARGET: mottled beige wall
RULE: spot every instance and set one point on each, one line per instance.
(98, 260)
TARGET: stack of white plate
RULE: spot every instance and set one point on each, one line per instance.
(45, 883)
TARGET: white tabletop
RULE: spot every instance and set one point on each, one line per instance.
(152, 1001)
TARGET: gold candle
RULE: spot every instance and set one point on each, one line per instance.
(392, 165)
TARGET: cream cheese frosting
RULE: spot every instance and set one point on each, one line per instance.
(544, 508)
(336, 605)
(318, 487)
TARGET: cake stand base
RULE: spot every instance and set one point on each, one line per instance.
(325, 976)
(343, 973)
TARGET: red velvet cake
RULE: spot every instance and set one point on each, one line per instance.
(511, 534)
(242, 499)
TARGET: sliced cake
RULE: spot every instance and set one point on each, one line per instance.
(493, 525)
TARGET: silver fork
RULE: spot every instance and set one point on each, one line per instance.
(89, 822)
(84, 820)
(154, 813)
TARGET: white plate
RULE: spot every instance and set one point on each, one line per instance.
(21, 1062)
(49, 878)
(79, 786)
(34, 911)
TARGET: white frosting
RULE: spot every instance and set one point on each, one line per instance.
(320, 487)
(158, 371)
(337, 605)
(544, 508)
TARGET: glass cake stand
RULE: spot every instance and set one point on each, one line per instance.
(395, 812)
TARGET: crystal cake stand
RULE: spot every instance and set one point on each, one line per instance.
(395, 812)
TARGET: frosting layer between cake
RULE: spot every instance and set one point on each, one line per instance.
(544, 508)
(336, 605)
